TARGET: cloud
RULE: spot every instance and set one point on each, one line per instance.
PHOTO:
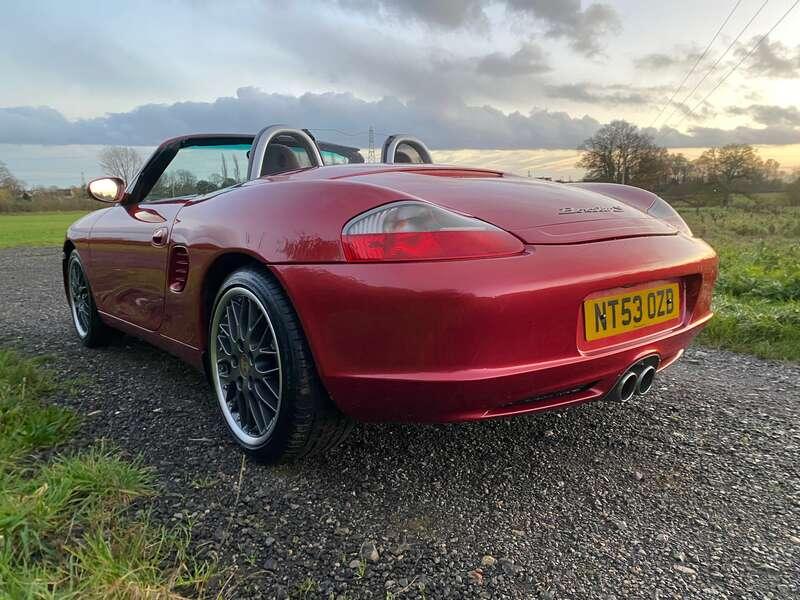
(774, 60)
(564, 18)
(583, 29)
(713, 136)
(681, 58)
(588, 93)
(435, 73)
(772, 116)
(450, 126)
(528, 60)
(451, 14)
(456, 126)
(656, 61)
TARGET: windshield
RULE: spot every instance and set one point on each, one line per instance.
(202, 169)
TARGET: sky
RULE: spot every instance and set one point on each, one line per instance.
(515, 83)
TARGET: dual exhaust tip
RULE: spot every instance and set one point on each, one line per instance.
(636, 380)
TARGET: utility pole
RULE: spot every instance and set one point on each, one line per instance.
(371, 153)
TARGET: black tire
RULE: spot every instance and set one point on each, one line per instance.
(305, 421)
(91, 330)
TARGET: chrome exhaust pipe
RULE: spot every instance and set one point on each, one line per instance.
(644, 380)
(626, 387)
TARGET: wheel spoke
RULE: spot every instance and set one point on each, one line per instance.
(244, 412)
(233, 322)
(241, 318)
(260, 421)
(265, 400)
(224, 344)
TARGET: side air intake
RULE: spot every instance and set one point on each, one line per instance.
(178, 269)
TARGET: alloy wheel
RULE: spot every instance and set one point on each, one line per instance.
(80, 300)
(246, 365)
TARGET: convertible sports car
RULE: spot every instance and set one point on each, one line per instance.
(314, 288)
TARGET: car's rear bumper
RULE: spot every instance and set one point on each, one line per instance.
(474, 339)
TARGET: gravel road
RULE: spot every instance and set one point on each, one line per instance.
(690, 492)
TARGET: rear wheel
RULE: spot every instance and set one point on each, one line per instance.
(90, 329)
(263, 375)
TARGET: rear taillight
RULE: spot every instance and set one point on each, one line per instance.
(663, 211)
(414, 230)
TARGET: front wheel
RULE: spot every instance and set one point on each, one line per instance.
(263, 375)
(90, 329)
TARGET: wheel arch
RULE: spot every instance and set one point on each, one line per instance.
(67, 248)
(219, 270)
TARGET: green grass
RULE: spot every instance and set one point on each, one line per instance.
(36, 229)
(757, 299)
(64, 528)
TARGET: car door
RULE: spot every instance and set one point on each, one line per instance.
(130, 244)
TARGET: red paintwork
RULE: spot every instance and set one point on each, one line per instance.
(422, 341)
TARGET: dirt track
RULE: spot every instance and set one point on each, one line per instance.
(692, 491)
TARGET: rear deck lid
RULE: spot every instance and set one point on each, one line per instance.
(538, 212)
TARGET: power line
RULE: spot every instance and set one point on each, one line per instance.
(714, 66)
(697, 62)
(371, 152)
(339, 131)
(744, 58)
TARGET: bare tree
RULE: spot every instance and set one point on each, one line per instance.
(236, 172)
(8, 182)
(620, 153)
(120, 161)
(731, 164)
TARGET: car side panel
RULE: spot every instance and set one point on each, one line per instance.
(272, 221)
(129, 268)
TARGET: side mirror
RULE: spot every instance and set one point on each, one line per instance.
(106, 189)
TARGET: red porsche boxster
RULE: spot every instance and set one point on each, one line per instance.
(314, 288)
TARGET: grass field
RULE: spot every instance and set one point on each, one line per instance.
(35, 229)
(757, 300)
(64, 528)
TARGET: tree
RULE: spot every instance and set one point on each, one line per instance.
(120, 161)
(793, 191)
(680, 168)
(731, 166)
(620, 153)
(8, 182)
(771, 171)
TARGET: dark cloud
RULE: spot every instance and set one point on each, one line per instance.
(713, 136)
(583, 29)
(446, 127)
(564, 18)
(593, 94)
(459, 126)
(772, 116)
(433, 73)
(775, 59)
(450, 14)
(528, 60)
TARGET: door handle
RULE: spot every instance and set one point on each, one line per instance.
(160, 236)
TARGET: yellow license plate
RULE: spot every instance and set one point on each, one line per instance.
(621, 313)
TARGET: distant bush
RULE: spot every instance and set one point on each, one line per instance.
(42, 200)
